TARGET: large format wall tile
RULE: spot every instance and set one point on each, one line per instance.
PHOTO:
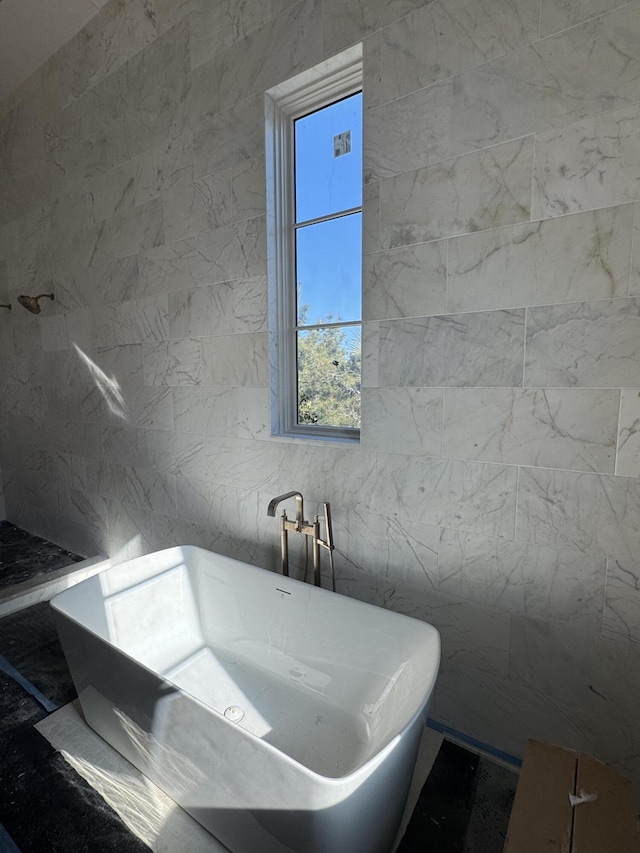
(258, 62)
(485, 348)
(628, 455)
(206, 410)
(473, 496)
(402, 420)
(589, 164)
(481, 190)
(347, 22)
(571, 428)
(201, 311)
(446, 37)
(236, 359)
(592, 675)
(585, 256)
(533, 580)
(556, 15)
(405, 282)
(408, 133)
(592, 513)
(583, 71)
(586, 344)
(622, 600)
(393, 548)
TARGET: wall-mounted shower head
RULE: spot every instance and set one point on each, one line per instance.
(6, 306)
(31, 303)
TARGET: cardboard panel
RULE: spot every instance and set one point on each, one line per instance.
(542, 815)
(608, 823)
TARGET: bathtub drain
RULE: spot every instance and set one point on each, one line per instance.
(234, 713)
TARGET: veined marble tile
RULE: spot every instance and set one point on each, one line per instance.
(201, 311)
(634, 284)
(408, 133)
(402, 420)
(570, 428)
(405, 282)
(149, 408)
(577, 668)
(53, 329)
(236, 359)
(112, 281)
(286, 45)
(533, 580)
(173, 266)
(628, 452)
(123, 444)
(244, 463)
(233, 251)
(587, 344)
(446, 37)
(505, 713)
(105, 478)
(343, 476)
(113, 192)
(119, 365)
(481, 190)
(149, 489)
(217, 26)
(250, 305)
(347, 22)
(476, 638)
(390, 548)
(158, 80)
(588, 164)
(173, 452)
(591, 513)
(206, 410)
(371, 218)
(192, 208)
(143, 228)
(372, 95)
(582, 71)
(164, 167)
(230, 138)
(253, 419)
(173, 362)
(556, 15)
(136, 321)
(370, 354)
(248, 189)
(474, 496)
(483, 348)
(622, 600)
(584, 256)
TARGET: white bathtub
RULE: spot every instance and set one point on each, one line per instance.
(325, 697)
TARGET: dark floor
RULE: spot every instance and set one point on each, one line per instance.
(46, 807)
(23, 556)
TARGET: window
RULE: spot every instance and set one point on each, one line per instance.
(314, 209)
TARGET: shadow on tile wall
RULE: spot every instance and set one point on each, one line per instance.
(496, 487)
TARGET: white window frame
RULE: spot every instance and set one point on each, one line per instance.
(318, 87)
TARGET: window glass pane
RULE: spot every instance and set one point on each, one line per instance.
(329, 377)
(329, 270)
(328, 158)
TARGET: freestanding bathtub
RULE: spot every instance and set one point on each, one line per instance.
(281, 716)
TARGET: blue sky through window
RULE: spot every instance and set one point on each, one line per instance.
(329, 254)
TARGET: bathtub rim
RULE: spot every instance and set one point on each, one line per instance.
(363, 769)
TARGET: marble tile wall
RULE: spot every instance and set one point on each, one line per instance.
(496, 488)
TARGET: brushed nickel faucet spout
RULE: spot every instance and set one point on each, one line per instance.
(271, 509)
(306, 528)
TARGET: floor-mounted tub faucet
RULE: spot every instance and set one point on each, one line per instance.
(307, 528)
